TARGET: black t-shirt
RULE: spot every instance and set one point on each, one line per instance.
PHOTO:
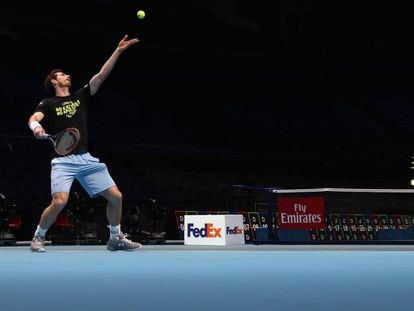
(61, 112)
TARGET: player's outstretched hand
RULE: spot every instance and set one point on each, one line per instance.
(126, 43)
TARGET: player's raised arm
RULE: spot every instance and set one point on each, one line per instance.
(106, 69)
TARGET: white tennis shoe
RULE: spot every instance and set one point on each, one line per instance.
(38, 244)
(121, 243)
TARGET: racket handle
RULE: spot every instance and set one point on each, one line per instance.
(45, 136)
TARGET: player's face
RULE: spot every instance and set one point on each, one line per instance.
(63, 80)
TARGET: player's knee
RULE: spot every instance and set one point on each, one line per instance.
(59, 202)
(117, 197)
(113, 195)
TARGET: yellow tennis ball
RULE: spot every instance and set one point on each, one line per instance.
(140, 14)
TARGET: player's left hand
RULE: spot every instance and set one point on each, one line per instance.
(126, 43)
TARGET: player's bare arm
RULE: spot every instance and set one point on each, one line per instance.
(34, 124)
(106, 69)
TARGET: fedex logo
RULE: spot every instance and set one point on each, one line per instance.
(235, 230)
(208, 231)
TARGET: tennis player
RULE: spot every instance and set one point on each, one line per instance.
(63, 110)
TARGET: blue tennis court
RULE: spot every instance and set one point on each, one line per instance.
(173, 277)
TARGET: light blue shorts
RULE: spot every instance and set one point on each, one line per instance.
(91, 174)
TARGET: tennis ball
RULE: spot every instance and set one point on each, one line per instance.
(140, 14)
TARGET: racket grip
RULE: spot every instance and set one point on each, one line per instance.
(44, 136)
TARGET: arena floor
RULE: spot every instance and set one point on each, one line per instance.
(173, 276)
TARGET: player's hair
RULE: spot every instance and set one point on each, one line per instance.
(48, 83)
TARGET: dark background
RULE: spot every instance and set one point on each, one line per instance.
(264, 93)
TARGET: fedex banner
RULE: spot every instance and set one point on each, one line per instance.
(301, 213)
(213, 230)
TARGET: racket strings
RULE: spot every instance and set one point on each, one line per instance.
(66, 142)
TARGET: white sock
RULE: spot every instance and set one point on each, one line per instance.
(114, 231)
(40, 231)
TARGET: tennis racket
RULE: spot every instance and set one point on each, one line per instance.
(65, 141)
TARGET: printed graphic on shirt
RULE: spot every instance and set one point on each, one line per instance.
(68, 109)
